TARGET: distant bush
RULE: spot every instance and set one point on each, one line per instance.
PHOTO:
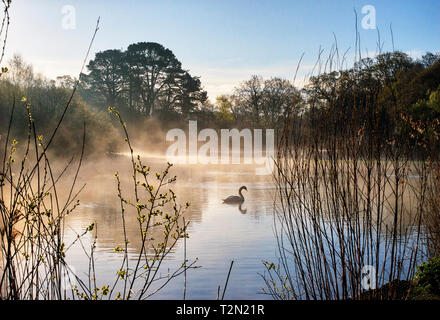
(48, 99)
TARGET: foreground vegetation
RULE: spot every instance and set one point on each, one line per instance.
(357, 181)
(33, 211)
(357, 173)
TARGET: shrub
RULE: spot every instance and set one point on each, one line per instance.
(428, 277)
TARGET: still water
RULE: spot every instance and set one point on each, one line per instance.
(218, 233)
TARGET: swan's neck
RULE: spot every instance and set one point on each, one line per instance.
(241, 195)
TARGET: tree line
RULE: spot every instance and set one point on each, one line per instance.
(389, 99)
(149, 82)
(148, 79)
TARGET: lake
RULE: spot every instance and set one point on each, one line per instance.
(218, 233)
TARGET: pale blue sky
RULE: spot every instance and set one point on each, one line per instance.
(223, 42)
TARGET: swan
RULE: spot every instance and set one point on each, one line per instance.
(236, 199)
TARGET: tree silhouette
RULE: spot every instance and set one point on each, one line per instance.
(106, 75)
(147, 77)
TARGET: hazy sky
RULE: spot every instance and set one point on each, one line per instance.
(223, 42)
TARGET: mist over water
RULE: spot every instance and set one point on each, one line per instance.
(218, 232)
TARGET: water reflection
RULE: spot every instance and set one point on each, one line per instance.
(218, 232)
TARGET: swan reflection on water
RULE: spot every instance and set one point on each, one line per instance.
(239, 205)
(242, 211)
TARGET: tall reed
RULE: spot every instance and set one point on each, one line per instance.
(352, 193)
(33, 211)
